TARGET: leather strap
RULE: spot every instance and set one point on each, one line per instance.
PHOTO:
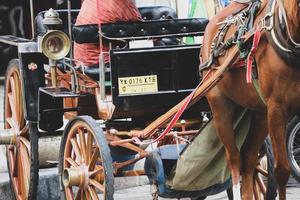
(284, 15)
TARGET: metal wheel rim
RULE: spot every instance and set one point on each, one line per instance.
(294, 147)
(260, 176)
(96, 179)
(19, 153)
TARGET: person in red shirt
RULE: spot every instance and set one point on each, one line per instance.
(100, 12)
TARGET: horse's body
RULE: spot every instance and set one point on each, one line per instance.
(280, 88)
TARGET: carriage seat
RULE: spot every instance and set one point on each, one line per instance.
(127, 30)
(147, 13)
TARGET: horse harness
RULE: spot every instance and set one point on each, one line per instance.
(279, 33)
(244, 20)
(277, 30)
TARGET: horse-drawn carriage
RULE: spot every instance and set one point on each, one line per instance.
(113, 112)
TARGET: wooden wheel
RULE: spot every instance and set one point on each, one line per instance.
(22, 151)
(86, 168)
(264, 180)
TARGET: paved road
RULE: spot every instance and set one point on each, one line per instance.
(143, 192)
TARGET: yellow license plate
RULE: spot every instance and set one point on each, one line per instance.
(138, 85)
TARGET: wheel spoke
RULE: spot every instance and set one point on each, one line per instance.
(82, 145)
(97, 185)
(26, 143)
(82, 195)
(15, 163)
(13, 90)
(89, 144)
(94, 159)
(25, 168)
(96, 171)
(87, 194)
(11, 122)
(20, 177)
(24, 132)
(18, 100)
(93, 193)
(72, 162)
(14, 112)
(11, 154)
(76, 149)
(79, 195)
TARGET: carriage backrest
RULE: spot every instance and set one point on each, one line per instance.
(141, 29)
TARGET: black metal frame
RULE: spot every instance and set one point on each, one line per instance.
(41, 105)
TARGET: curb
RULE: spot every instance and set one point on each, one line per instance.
(48, 188)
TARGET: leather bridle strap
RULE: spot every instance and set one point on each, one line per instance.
(284, 15)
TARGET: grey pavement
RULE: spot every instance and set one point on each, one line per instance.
(143, 193)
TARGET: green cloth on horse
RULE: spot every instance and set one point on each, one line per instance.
(203, 162)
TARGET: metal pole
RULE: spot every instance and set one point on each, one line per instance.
(177, 8)
(32, 19)
(70, 29)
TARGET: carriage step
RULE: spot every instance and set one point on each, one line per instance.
(59, 92)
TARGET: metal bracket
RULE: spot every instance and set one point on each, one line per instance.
(263, 22)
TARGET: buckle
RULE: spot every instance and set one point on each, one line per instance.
(263, 24)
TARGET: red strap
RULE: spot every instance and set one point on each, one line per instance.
(172, 122)
(239, 64)
(176, 116)
(250, 59)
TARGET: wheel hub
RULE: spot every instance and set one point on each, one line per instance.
(76, 176)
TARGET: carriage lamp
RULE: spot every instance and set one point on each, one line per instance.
(54, 44)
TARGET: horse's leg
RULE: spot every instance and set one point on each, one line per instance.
(223, 112)
(276, 123)
(249, 152)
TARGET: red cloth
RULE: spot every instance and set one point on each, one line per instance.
(103, 11)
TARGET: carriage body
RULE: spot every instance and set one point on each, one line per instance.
(155, 78)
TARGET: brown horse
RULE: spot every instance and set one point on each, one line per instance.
(279, 82)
